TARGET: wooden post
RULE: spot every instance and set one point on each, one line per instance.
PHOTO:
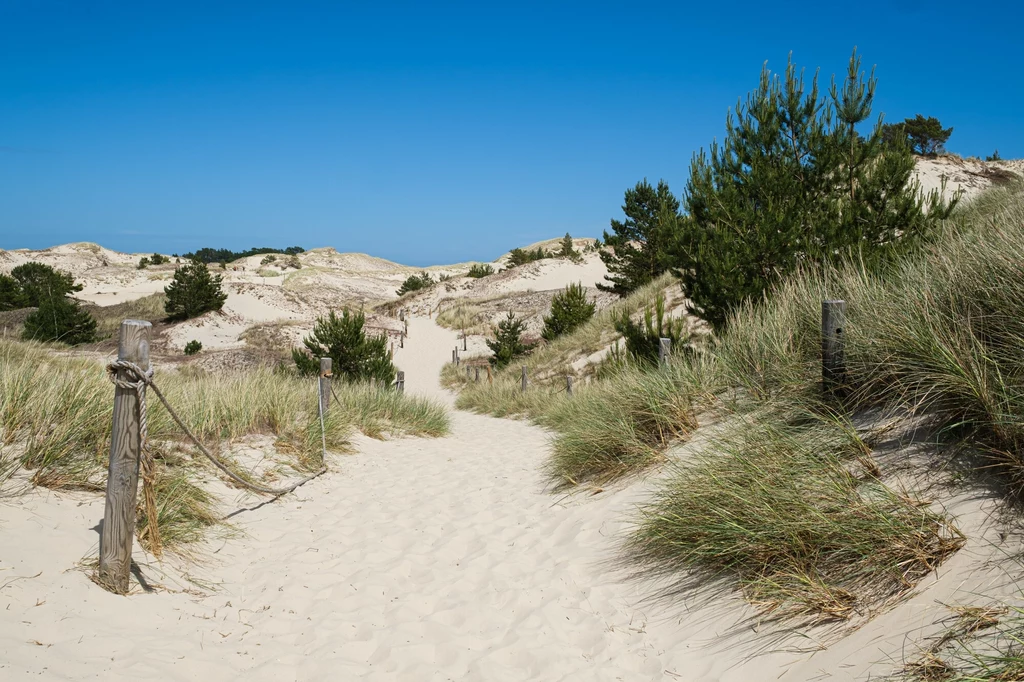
(400, 382)
(833, 355)
(523, 380)
(568, 385)
(490, 379)
(464, 346)
(664, 349)
(457, 359)
(477, 378)
(401, 315)
(325, 385)
(453, 357)
(123, 471)
(401, 340)
(468, 371)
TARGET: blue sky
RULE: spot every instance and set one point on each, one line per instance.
(429, 133)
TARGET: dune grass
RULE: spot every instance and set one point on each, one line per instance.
(980, 644)
(109, 317)
(56, 411)
(780, 511)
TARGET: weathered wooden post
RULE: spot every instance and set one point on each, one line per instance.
(325, 385)
(401, 315)
(457, 359)
(664, 349)
(477, 379)
(523, 380)
(453, 357)
(401, 340)
(464, 346)
(400, 382)
(833, 355)
(123, 471)
(568, 384)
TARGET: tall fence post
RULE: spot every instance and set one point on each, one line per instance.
(523, 380)
(123, 471)
(664, 350)
(490, 379)
(400, 381)
(464, 342)
(325, 385)
(833, 355)
(568, 384)
(477, 375)
(453, 357)
(401, 340)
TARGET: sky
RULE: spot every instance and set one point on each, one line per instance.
(430, 133)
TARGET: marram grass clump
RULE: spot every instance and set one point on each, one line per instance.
(789, 515)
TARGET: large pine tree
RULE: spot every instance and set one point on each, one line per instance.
(794, 184)
(639, 244)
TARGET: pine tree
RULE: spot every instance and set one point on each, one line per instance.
(39, 282)
(794, 184)
(569, 309)
(193, 292)
(926, 136)
(639, 247)
(59, 318)
(567, 250)
(415, 283)
(355, 356)
(11, 296)
(508, 344)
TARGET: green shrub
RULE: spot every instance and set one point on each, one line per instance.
(39, 282)
(11, 295)
(508, 344)
(644, 340)
(569, 309)
(416, 282)
(157, 259)
(478, 271)
(568, 251)
(193, 292)
(293, 262)
(267, 260)
(925, 136)
(193, 347)
(143, 263)
(519, 256)
(60, 319)
(355, 356)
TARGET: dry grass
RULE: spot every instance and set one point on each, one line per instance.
(56, 412)
(109, 317)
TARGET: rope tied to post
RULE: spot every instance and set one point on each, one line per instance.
(144, 380)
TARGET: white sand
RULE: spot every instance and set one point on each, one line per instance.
(415, 559)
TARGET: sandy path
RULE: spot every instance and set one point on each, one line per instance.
(416, 559)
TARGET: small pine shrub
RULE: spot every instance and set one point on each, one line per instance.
(508, 343)
(566, 250)
(522, 256)
(478, 271)
(193, 347)
(643, 340)
(415, 283)
(355, 356)
(143, 263)
(157, 259)
(11, 295)
(60, 319)
(569, 309)
(193, 292)
(267, 260)
(293, 262)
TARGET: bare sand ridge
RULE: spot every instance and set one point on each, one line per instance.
(419, 559)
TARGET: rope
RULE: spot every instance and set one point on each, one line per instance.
(144, 379)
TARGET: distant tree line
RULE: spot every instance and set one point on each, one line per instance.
(208, 255)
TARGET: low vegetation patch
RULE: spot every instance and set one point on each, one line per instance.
(55, 420)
